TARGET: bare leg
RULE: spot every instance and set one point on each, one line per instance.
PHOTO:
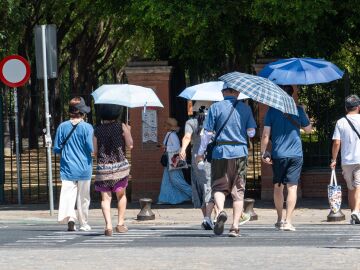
(351, 199)
(237, 211)
(203, 210)
(290, 201)
(279, 200)
(122, 201)
(357, 199)
(106, 209)
(219, 198)
(208, 209)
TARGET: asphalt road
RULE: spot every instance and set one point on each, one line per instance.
(55, 236)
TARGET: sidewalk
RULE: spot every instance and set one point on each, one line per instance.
(309, 211)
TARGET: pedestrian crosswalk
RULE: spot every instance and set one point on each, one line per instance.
(322, 235)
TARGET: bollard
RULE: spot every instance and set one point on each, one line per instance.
(338, 216)
(249, 208)
(145, 212)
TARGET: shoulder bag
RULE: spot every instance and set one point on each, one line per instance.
(211, 145)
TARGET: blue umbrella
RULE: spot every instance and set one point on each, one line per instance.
(301, 71)
(261, 90)
(209, 91)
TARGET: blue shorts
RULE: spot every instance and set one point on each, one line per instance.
(287, 170)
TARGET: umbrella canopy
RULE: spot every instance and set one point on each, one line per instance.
(261, 90)
(301, 71)
(126, 95)
(209, 91)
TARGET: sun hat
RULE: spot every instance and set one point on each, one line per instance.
(172, 123)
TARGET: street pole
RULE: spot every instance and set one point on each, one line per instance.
(2, 160)
(18, 162)
(48, 141)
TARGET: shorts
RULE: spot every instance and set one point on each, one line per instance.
(351, 175)
(111, 185)
(287, 170)
(228, 176)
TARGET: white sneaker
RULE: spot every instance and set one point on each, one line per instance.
(85, 228)
(355, 216)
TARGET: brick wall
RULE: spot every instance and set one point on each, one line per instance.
(146, 170)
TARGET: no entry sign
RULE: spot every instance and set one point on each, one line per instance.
(14, 70)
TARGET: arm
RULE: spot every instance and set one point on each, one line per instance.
(185, 142)
(334, 151)
(127, 136)
(264, 143)
(95, 146)
(205, 139)
(304, 120)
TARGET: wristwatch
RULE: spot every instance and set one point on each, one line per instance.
(333, 160)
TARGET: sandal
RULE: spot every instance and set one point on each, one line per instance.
(234, 232)
(108, 232)
(121, 229)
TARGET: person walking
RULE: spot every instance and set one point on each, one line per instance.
(233, 123)
(286, 157)
(73, 141)
(347, 137)
(112, 171)
(174, 189)
(200, 177)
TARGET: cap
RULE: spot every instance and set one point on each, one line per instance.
(352, 101)
(81, 106)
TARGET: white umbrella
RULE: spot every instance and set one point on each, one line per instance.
(128, 95)
(210, 91)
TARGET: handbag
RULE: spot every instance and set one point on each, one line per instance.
(334, 193)
(164, 160)
(175, 162)
(210, 147)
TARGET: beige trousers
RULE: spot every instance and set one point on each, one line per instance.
(74, 192)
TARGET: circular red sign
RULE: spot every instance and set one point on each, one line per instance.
(14, 70)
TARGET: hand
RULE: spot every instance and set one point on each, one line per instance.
(126, 128)
(182, 154)
(333, 164)
(199, 158)
(266, 158)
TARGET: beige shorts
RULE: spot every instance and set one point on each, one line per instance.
(351, 175)
(228, 176)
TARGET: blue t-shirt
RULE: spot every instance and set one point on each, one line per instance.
(285, 137)
(234, 130)
(76, 160)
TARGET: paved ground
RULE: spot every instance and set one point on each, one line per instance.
(31, 239)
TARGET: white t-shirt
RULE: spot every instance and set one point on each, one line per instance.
(173, 143)
(350, 142)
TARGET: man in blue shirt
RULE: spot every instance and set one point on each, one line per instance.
(286, 157)
(74, 141)
(229, 157)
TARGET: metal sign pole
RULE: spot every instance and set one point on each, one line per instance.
(48, 140)
(18, 163)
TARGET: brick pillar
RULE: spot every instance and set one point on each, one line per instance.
(266, 170)
(146, 170)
